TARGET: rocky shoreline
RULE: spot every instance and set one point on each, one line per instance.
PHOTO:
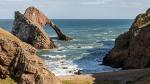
(20, 64)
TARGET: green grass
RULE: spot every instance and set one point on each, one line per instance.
(7, 81)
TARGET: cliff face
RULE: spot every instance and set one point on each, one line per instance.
(19, 60)
(132, 49)
(31, 32)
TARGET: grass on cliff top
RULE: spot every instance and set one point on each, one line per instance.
(7, 34)
(7, 81)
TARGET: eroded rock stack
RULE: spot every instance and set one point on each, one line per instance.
(29, 27)
(31, 32)
(37, 17)
(19, 60)
(132, 49)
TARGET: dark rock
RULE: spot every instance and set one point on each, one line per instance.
(132, 49)
(77, 72)
(65, 67)
(79, 47)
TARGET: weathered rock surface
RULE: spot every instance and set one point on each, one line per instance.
(30, 32)
(37, 17)
(132, 49)
(19, 61)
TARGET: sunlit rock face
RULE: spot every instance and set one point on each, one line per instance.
(19, 61)
(132, 49)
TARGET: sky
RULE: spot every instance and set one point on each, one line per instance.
(77, 9)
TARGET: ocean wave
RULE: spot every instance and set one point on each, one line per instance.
(105, 33)
(97, 35)
(110, 31)
(61, 50)
(109, 39)
(80, 46)
(76, 40)
(52, 36)
(86, 47)
(55, 56)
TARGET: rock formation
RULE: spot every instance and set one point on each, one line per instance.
(19, 61)
(31, 32)
(132, 49)
(37, 17)
(29, 27)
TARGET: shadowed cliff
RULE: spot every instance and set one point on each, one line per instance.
(132, 49)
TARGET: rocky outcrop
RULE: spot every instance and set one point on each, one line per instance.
(19, 61)
(37, 17)
(31, 32)
(132, 49)
(29, 27)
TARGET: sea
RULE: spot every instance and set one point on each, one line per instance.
(92, 40)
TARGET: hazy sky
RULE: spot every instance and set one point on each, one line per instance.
(77, 9)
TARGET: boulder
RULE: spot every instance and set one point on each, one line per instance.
(19, 61)
(37, 17)
(132, 49)
(31, 32)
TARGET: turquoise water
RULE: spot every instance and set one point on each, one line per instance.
(92, 39)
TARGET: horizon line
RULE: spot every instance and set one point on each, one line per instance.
(82, 19)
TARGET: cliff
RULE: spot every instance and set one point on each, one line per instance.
(132, 49)
(19, 61)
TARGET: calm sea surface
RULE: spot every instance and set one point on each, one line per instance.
(92, 39)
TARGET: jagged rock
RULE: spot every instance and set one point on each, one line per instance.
(30, 32)
(19, 61)
(37, 17)
(132, 49)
